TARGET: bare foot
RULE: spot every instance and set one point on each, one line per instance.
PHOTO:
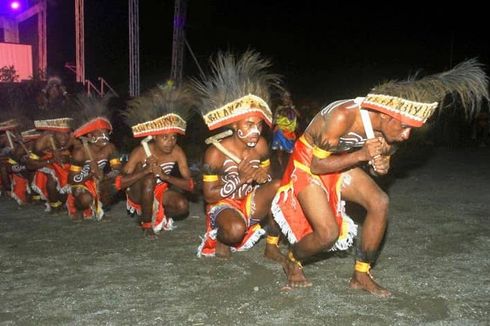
(222, 250)
(364, 281)
(77, 218)
(273, 252)
(149, 234)
(295, 275)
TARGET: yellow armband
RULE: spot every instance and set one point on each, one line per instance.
(33, 156)
(114, 162)
(11, 161)
(265, 163)
(75, 168)
(320, 153)
(210, 177)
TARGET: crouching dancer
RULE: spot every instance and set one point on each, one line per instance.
(237, 186)
(50, 158)
(21, 177)
(95, 161)
(324, 167)
(158, 118)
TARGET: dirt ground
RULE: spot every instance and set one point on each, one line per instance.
(435, 260)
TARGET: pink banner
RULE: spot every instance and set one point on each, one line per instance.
(19, 56)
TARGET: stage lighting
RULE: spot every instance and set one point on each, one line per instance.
(15, 5)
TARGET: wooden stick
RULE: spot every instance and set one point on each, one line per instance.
(96, 181)
(9, 137)
(366, 121)
(215, 140)
(52, 142)
(225, 151)
(9, 134)
(144, 143)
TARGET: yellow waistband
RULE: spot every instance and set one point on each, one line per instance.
(305, 142)
(301, 166)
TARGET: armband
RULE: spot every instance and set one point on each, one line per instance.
(75, 168)
(273, 240)
(33, 156)
(117, 183)
(114, 162)
(17, 168)
(209, 178)
(320, 153)
(265, 163)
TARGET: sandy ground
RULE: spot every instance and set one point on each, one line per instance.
(435, 260)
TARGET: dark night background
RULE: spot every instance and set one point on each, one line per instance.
(324, 50)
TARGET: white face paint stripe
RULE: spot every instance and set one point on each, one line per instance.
(252, 132)
(104, 137)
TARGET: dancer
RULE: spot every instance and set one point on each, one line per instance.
(158, 117)
(95, 161)
(324, 167)
(237, 184)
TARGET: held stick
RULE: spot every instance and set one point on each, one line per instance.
(9, 137)
(144, 143)
(51, 140)
(96, 181)
(9, 134)
(215, 140)
(146, 147)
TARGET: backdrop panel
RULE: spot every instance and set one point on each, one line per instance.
(19, 56)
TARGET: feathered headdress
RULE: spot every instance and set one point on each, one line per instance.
(414, 101)
(235, 89)
(10, 124)
(91, 114)
(162, 110)
(31, 134)
(54, 119)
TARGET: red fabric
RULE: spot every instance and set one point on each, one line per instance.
(19, 188)
(288, 201)
(117, 182)
(61, 172)
(403, 118)
(39, 184)
(94, 124)
(70, 200)
(159, 220)
(253, 234)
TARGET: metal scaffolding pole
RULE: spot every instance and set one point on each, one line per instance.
(134, 48)
(80, 41)
(41, 35)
